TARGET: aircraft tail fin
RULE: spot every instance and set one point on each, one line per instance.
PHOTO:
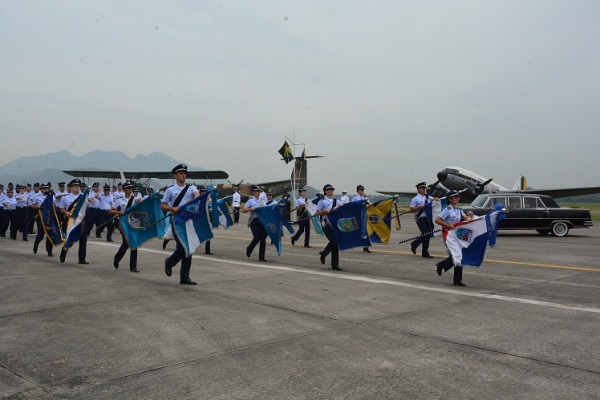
(521, 183)
(300, 171)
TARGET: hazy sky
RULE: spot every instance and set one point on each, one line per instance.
(390, 92)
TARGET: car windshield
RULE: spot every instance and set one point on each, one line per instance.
(479, 201)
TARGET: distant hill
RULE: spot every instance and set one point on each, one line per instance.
(49, 167)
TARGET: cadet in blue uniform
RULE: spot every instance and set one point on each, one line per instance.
(360, 195)
(425, 224)
(324, 207)
(303, 220)
(67, 205)
(22, 213)
(106, 202)
(118, 209)
(447, 218)
(259, 234)
(179, 193)
(9, 203)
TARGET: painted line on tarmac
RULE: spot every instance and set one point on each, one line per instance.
(489, 260)
(364, 279)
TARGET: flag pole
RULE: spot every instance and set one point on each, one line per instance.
(420, 236)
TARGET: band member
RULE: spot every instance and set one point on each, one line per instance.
(324, 207)
(180, 192)
(118, 209)
(303, 219)
(447, 218)
(259, 234)
(425, 224)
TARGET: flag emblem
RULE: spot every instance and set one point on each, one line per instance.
(374, 219)
(347, 224)
(138, 220)
(271, 228)
(464, 234)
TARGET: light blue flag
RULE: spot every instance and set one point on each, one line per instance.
(191, 225)
(311, 208)
(144, 221)
(349, 225)
(224, 214)
(75, 220)
(272, 218)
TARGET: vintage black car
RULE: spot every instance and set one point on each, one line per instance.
(532, 211)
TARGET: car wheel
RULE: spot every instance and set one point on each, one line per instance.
(560, 229)
(543, 231)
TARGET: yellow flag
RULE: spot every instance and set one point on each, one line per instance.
(379, 216)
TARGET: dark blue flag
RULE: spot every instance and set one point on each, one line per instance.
(349, 224)
(50, 222)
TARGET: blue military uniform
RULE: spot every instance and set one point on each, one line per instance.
(171, 195)
(119, 206)
(259, 234)
(326, 204)
(303, 220)
(424, 223)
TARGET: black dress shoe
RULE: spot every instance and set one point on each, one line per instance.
(135, 270)
(35, 247)
(322, 258)
(83, 262)
(50, 255)
(98, 236)
(168, 268)
(439, 269)
(116, 263)
(262, 259)
(165, 243)
(337, 269)
(413, 249)
(187, 281)
(307, 246)
(459, 283)
(427, 256)
(293, 242)
(63, 255)
(25, 240)
(208, 253)
(109, 240)
(248, 253)
(366, 250)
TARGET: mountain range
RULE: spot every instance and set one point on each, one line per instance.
(49, 167)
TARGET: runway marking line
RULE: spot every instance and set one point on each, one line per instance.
(383, 281)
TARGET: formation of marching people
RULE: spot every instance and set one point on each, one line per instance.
(20, 207)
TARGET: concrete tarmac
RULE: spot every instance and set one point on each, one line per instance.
(387, 327)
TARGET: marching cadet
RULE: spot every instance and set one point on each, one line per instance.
(236, 201)
(324, 207)
(68, 202)
(36, 206)
(92, 215)
(9, 204)
(447, 218)
(425, 224)
(180, 192)
(105, 204)
(302, 218)
(360, 195)
(32, 212)
(270, 198)
(118, 210)
(22, 213)
(259, 235)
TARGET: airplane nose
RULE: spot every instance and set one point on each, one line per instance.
(442, 176)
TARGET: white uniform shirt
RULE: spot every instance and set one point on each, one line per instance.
(236, 199)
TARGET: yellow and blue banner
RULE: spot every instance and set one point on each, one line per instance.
(379, 220)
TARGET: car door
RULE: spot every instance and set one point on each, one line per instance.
(535, 214)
